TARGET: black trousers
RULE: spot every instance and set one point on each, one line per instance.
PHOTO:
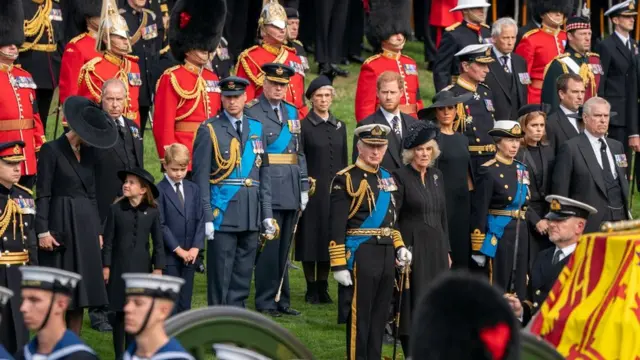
(44, 97)
(144, 118)
(187, 273)
(373, 276)
(121, 340)
(331, 23)
(230, 260)
(355, 29)
(273, 263)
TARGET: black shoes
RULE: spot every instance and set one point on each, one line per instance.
(311, 296)
(322, 292)
(289, 311)
(270, 312)
(332, 70)
(339, 71)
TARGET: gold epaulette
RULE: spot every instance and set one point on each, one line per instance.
(77, 38)
(563, 55)
(453, 26)
(252, 102)
(165, 50)
(564, 67)
(530, 32)
(242, 61)
(297, 42)
(133, 58)
(589, 53)
(490, 162)
(343, 171)
(90, 65)
(166, 72)
(371, 58)
(29, 191)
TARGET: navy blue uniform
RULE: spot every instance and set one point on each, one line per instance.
(70, 347)
(171, 350)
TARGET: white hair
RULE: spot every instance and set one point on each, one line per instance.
(111, 82)
(408, 154)
(496, 28)
(594, 101)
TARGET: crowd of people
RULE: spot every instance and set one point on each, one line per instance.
(527, 144)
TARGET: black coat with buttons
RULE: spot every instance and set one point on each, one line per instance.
(126, 246)
(325, 147)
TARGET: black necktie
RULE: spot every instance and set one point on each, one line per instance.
(275, 109)
(628, 44)
(556, 257)
(606, 166)
(180, 197)
(239, 128)
(395, 124)
(505, 64)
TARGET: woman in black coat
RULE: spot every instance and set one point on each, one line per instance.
(324, 142)
(539, 157)
(422, 217)
(131, 221)
(67, 220)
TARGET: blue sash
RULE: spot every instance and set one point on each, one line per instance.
(373, 221)
(280, 145)
(221, 194)
(497, 223)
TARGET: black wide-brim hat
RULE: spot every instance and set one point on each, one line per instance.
(442, 99)
(143, 175)
(90, 122)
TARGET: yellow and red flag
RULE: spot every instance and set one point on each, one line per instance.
(593, 310)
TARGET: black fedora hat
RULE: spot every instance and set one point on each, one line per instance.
(442, 99)
(143, 175)
(90, 122)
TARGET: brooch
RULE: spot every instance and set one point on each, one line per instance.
(435, 179)
(476, 96)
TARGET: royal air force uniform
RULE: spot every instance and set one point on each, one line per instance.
(231, 167)
(457, 36)
(364, 240)
(475, 116)
(18, 246)
(41, 52)
(501, 197)
(187, 94)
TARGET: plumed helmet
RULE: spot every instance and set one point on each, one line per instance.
(196, 24)
(388, 17)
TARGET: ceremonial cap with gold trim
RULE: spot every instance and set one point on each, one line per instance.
(5, 295)
(561, 208)
(373, 134)
(111, 23)
(12, 151)
(196, 25)
(233, 86)
(507, 129)
(273, 14)
(156, 286)
(480, 53)
(625, 8)
(11, 23)
(278, 72)
(50, 279)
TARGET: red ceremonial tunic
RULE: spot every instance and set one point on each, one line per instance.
(440, 15)
(185, 97)
(108, 66)
(249, 67)
(366, 92)
(539, 47)
(78, 52)
(18, 118)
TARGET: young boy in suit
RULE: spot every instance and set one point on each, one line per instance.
(182, 217)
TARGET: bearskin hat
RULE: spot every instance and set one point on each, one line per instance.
(11, 23)
(196, 24)
(461, 316)
(88, 8)
(388, 17)
(541, 7)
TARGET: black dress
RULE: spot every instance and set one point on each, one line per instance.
(67, 207)
(126, 246)
(325, 148)
(454, 163)
(422, 220)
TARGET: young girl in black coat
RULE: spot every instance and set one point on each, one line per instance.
(131, 220)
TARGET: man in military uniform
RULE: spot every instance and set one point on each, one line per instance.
(577, 59)
(475, 117)
(272, 27)
(188, 94)
(389, 35)
(289, 185)
(240, 188)
(19, 118)
(19, 244)
(365, 245)
(41, 52)
(618, 81)
(540, 45)
(46, 294)
(80, 49)
(293, 25)
(113, 43)
(472, 30)
(146, 35)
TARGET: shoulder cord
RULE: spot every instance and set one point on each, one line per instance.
(224, 165)
(364, 190)
(8, 216)
(197, 93)
(37, 26)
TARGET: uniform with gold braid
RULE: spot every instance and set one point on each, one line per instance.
(18, 246)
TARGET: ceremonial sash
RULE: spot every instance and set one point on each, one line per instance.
(373, 221)
(572, 64)
(497, 223)
(280, 145)
(221, 194)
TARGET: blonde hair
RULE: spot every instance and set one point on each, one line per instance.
(176, 153)
(408, 154)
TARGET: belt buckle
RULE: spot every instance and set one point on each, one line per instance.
(248, 182)
(386, 231)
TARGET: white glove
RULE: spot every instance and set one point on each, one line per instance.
(343, 277)
(479, 259)
(268, 226)
(208, 230)
(304, 200)
(404, 256)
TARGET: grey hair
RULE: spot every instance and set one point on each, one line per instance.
(113, 81)
(326, 87)
(589, 104)
(496, 28)
(408, 154)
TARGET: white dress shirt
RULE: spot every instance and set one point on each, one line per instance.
(389, 116)
(573, 121)
(499, 56)
(595, 144)
(233, 120)
(566, 251)
(625, 40)
(173, 185)
(120, 121)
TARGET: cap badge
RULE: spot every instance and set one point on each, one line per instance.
(17, 150)
(516, 130)
(231, 85)
(376, 131)
(279, 71)
(488, 52)
(555, 205)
